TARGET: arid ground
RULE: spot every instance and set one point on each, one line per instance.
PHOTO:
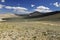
(17, 28)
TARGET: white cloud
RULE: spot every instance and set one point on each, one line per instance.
(1, 6)
(43, 9)
(15, 8)
(8, 7)
(18, 9)
(2, 0)
(56, 4)
(21, 9)
(32, 5)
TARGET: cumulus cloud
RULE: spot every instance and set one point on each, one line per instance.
(1, 6)
(18, 9)
(32, 5)
(43, 9)
(22, 11)
(8, 7)
(56, 4)
(2, 0)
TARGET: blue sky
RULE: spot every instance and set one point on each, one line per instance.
(27, 6)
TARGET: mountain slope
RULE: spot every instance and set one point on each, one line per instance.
(55, 17)
(7, 15)
(39, 14)
(3, 17)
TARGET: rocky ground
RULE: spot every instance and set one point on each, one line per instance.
(29, 35)
(28, 31)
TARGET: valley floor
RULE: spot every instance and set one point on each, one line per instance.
(35, 30)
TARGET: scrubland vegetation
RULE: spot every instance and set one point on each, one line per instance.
(29, 31)
(19, 28)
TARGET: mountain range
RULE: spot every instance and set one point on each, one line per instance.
(37, 15)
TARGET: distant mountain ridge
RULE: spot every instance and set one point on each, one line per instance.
(7, 15)
(39, 14)
(52, 16)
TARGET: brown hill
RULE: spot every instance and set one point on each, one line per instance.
(38, 14)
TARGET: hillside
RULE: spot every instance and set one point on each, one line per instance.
(7, 15)
(19, 28)
(35, 16)
(51, 16)
(54, 17)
